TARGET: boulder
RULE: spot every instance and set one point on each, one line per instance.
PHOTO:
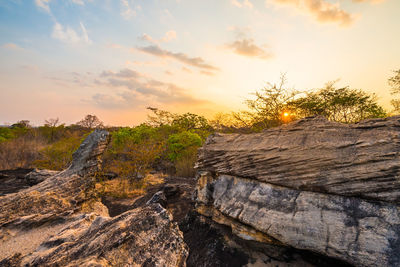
(39, 175)
(144, 236)
(312, 185)
(60, 222)
(314, 154)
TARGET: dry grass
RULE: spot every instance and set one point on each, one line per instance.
(185, 165)
(20, 152)
(124, 188)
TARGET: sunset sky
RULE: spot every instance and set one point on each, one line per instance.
(113, 58)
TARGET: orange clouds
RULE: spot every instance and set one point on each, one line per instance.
(321, 10)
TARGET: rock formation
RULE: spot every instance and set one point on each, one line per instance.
(313, 185)
(58, 222)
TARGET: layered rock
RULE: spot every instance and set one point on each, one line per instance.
(58, 222)
(38, 175)
(314, 154)
(312, 185)
(140, 237)
(59, 195)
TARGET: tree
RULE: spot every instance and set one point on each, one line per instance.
(338, 104)
(394, 82)
(190, 121)
(91, 122)
(22, 124)
(268, 108)
(50, 128)
(160, 117)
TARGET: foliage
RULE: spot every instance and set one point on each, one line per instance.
(6, 134)
(182, 144)
(394, 83)
(182, 150)
(267, 108)
(160, 117)
(135, 135)
(337, 104)
(58, 155)
(90, 122)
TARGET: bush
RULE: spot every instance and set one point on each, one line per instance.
(182, 144)
(182, 150)
(6, 134)
(58, 155)
(132, 151)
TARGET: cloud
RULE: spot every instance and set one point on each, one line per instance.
(140, 89)
(169, 36)
(78, 2)
(245, 3)
(68, 35)
(371, 1)
(43, 4)
(192, 61)
(127, 9)
(207, 73)
(246, 47)
(124, 73)
(322, 10)
(11, 46)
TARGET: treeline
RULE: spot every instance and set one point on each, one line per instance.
(168, 142)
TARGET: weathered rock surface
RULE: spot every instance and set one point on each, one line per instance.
(59, 223)
(314, 154)
(312, 185)
(37, 176)
(140, 237)
(59, 195)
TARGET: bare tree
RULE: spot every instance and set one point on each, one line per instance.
(52, 125)
(91, 122)
(52, 122)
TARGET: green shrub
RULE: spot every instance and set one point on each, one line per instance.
(6, 134)
(58, 155)
(182, 144)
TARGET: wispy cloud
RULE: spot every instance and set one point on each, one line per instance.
(140, 88)
(168, 36)
(247, 47)
(69, 35)
(368, 1)
(11, 46)
(244, 3)
(124, 73)
(128, 10)
(78, 2)
(322, 10)
(43, 4)
(181, 57)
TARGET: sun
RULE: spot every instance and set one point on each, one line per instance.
(285, 114)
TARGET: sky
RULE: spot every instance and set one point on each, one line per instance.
(114, 58)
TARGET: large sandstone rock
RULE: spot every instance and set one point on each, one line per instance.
(144, 236)
(314, 154)
(312, 185)
(59, 195)
(58, 222)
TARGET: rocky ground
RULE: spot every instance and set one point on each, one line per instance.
(297, 195)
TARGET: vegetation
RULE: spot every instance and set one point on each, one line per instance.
(337, 104)
(394, 82)
(168, 142)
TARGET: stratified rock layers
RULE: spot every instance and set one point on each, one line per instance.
(312, 185)
(314, 154)
(57, 222)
